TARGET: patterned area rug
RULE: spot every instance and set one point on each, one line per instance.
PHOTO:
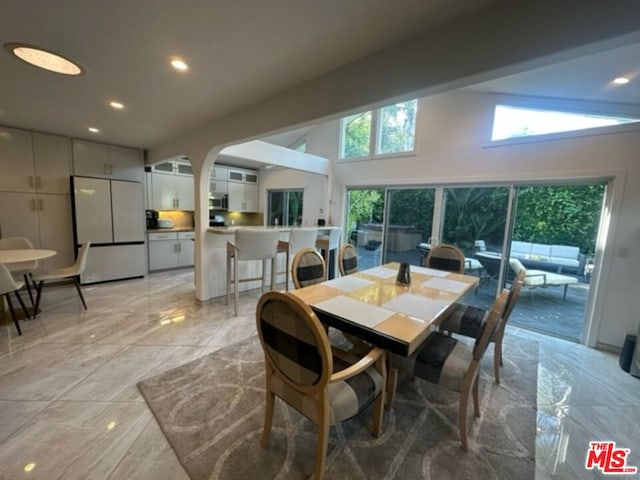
(211, 411)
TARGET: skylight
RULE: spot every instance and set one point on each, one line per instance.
(515, 122)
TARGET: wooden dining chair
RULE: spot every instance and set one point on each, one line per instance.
(72, 272)
(466, 320)
(324, 384)
(444, 361)
(308, 268)
(299, 238)
(7, 286)
(347, 259)
(446, 257)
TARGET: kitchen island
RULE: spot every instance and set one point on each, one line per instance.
(216, 264)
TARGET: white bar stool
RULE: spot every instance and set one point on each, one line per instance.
(327, 243)
(251, 245)
(299, 238)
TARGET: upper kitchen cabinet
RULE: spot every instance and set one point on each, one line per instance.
(172, 186)
(34, 162)
(107, 161)
(243, 190)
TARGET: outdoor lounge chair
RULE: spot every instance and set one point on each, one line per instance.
(540, 278)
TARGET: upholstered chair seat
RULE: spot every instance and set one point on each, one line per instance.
(466, 320)
(449, 363)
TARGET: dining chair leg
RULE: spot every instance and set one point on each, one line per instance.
(381, 366)
(77, 284)
(287, 269)
(228, 290)
(476, 402)
(236, 287)
(323, 440)
(13, 313)
(268, 418)
(392, 380)
(273, 272)
(38, 297)
(462, 413)
(27, 282)
(497, 361)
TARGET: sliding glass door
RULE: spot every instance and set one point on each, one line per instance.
(285, 207)
(364, 227)
(409, 224)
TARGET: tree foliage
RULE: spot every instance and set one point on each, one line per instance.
(567, 215)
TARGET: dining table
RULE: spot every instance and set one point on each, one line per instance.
(11, 256)
(373, 306)
(24, 255)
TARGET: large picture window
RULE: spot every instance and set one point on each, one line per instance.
(389, 130)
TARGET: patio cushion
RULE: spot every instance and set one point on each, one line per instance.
(519, 249)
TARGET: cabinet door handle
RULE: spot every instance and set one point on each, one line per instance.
(38, 182)
(40, 204)
(30, 181)
(179, 247)
(177, 202)
(110, 169)
(33, 204)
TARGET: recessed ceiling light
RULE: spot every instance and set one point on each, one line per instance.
(41, 58)
(179, 64)
(93, 130)
(116, 105)
(620, 80)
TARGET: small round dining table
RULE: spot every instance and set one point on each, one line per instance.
(24, 255)
(17, 256)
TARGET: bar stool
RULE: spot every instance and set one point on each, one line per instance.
(327, 243)
(251, 245)
(299, 238)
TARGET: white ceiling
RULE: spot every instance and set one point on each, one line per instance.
(583, 78)
(239, 52)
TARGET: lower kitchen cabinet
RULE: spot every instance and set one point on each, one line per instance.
(171, 250)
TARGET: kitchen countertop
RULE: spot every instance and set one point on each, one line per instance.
(233, 229)
(168, 230)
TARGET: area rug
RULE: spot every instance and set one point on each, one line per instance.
(211, 411)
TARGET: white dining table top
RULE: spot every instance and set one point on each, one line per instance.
(25, 255)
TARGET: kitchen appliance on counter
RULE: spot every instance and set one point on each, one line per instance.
(165, 223)
(219, 201)
(216, 221)
(152, 218)
(109, 214)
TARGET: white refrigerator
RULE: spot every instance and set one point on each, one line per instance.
(109, 214)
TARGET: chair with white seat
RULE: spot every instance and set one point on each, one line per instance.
(72, 272)
(327, 243)
(7, 286)
(25, 269)
(299, 238)
(250, 244)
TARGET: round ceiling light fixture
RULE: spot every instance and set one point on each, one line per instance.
(41, 58)
(179, 64)
(621, 80)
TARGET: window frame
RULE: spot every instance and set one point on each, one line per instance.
(567, 106)
(375, 134)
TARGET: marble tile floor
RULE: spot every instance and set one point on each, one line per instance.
(69, 406)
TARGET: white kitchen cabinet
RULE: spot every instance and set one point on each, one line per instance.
(219, 186)
(243, 197)
(220, 173)
(243, 190)
(34, 162)
(42, 218)
(172, 186)
(170, 250)
(185, 195)
(92, 159)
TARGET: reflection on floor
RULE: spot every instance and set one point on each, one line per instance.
(540, 309)
(69, 407)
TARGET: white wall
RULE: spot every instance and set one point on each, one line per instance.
(315, 188)
(451, 147)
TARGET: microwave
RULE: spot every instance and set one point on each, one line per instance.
(219, 202)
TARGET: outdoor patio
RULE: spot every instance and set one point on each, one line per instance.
(539, 309)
